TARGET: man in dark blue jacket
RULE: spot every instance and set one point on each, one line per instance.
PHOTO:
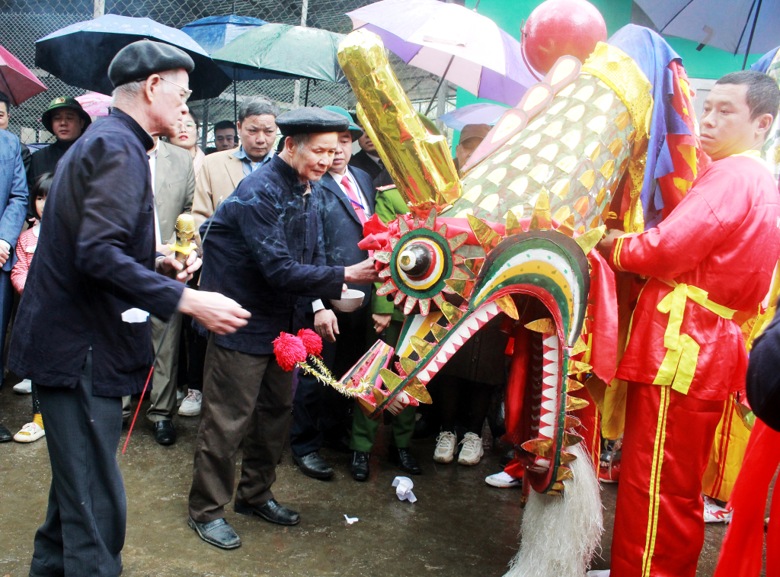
(320, 414)
(264, 249)
(82, 332)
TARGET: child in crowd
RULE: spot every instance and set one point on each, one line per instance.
(25, 248)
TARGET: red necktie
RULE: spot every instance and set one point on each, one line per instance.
(356, 204)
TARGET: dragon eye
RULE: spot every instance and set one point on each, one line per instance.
(423, 263)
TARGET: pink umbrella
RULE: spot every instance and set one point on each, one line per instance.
(95, 104)
(16, 80)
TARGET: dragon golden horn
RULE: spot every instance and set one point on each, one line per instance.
(419, 162)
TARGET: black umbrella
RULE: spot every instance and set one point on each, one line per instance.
(79, 54)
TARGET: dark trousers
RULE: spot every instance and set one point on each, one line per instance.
(84, 530)
(319, 410)
(6, 304)
(246, 398)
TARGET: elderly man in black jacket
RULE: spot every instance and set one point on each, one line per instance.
(82, 332)
(264, 248)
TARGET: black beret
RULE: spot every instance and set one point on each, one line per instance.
(310, 120)
(139, 60)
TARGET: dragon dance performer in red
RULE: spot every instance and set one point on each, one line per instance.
(709, 260)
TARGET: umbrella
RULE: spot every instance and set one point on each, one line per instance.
(16, 80)
(453, 42)
(737, 26)
(79, 54)
(95, 104)
(213, 32)
(284, 51)
(479, 113)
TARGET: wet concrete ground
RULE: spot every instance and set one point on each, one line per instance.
(459, 527)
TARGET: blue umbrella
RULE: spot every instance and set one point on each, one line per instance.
(213, 32)
(479, 113)
(79, 54)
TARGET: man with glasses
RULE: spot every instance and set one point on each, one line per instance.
(83, 331)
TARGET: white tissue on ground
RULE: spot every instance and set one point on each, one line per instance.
(403, 488)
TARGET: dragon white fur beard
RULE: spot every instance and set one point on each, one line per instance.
(560, 534)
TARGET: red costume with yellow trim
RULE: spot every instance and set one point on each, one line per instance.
(710, 258)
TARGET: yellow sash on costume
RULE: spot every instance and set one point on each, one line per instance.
(679, 364)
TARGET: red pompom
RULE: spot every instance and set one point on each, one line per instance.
(312, 341)
(289, 351)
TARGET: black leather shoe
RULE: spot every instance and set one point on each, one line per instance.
(5, 435)
(406, 461)
(314, 466)
(218, 533)
(359, 467)
(164, 432)
(271, 511)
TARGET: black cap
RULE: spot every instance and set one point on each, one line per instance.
(311, 120)
(64, 102)
(139, 60)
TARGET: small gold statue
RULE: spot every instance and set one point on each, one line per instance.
(185, 233)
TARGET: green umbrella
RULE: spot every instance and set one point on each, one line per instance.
(284, 51)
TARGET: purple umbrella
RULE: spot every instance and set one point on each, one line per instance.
(453, 42)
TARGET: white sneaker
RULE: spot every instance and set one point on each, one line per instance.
(471, 451)
(190, 406)
(714, 513)
(503, 480)
(598, 573)
(23, 387)
(445, 447)
(29, 433)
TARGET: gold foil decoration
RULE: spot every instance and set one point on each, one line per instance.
(419, 392)
(419, 162)
(507, 304)
(545, 326)
(486, 236)
(421, 347)
(439, 332)
(575, 404)
(619, 71)
(408, 365)
(540, 447)
(590, 239)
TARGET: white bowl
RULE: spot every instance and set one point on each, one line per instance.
(350, 300)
